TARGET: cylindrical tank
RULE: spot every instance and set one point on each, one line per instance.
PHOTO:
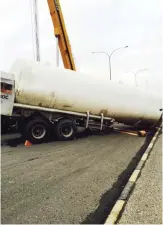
(38, 84)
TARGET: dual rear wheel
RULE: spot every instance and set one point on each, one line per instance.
(40, 130)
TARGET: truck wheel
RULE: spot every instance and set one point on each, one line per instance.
(65, 129)
(37, 131)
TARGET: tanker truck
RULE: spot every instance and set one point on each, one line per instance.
(46, 101)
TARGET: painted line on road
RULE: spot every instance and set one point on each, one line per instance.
(134, 176)
(140, 165)
(112, 218)
(150, 145)
(144, 157)
(120, 204)
(154, 138)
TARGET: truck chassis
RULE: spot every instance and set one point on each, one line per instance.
(39, 124)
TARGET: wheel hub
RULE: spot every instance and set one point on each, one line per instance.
(67, 131)
(38, 131)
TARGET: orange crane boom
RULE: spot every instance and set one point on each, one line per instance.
(61, 33)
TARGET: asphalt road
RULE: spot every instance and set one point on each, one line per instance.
(65, 182)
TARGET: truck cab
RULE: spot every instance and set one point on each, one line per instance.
(7, 99)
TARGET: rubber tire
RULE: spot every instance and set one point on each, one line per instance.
(28, 131)
(58, 126)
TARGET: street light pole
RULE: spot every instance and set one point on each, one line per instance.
(35, 5)
(110, 66)
(57, 52)
(109, 57)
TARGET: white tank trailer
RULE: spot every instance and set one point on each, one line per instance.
(79, 99)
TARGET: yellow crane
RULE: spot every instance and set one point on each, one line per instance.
(61, 33)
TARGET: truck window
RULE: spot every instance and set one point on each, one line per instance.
(6, 88)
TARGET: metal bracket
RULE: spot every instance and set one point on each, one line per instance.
(50, 116)
(87, 122)
(102, 120)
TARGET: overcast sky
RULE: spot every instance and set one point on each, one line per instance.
(92, 25)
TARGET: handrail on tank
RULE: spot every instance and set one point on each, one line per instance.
(61, 111)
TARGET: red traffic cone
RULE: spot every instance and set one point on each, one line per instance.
(27, 143)
(142, 133)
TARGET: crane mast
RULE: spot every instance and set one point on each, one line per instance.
(61, 34)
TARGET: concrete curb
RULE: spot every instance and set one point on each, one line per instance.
(120, 203)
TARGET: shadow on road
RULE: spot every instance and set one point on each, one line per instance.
(13, 140)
